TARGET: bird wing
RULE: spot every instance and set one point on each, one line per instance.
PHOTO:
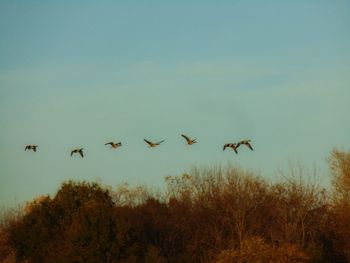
(34, 148)
(27, 147)
(235, 149)
(224, 147)
(148, 142)
(109, 143)
(187, 138)
(81, 153)
(71, 153)
(159, 142)
(249, 145)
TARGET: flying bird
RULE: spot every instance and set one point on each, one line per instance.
(31, 147)
(189, 140)
(234, 146)
(153, 144)
(114, 145)
(247, 143)
(80, 151)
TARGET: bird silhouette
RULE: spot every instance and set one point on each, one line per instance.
(79, 150)
(189, 140)
(247, 143)
(153, 144)
(234, 146)
(31, 147)
(114, 145)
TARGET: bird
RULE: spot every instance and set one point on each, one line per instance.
(189, 140)
(153, 144)
(234, 146)
(247, 143)
(79, 150)
(31, 147)
(114, 145)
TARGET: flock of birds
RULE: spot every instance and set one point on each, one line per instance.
(189, 141)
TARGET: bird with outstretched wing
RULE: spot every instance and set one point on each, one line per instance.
(234, 146)
(79, 150)
(189, 140)
(153, 144)
(114, 145)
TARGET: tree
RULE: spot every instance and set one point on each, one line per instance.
(339, 227)
(339, 163)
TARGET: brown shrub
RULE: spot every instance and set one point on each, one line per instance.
(256, 250)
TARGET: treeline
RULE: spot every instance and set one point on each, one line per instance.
(209, 215)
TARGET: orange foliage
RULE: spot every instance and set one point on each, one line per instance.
(207, 215)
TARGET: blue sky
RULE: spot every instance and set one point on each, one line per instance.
(81, 73)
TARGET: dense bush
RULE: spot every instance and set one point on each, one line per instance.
(207, 215)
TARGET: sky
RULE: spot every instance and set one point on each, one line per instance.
(83, 73)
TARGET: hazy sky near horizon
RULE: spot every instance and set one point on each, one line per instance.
(82, 73)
